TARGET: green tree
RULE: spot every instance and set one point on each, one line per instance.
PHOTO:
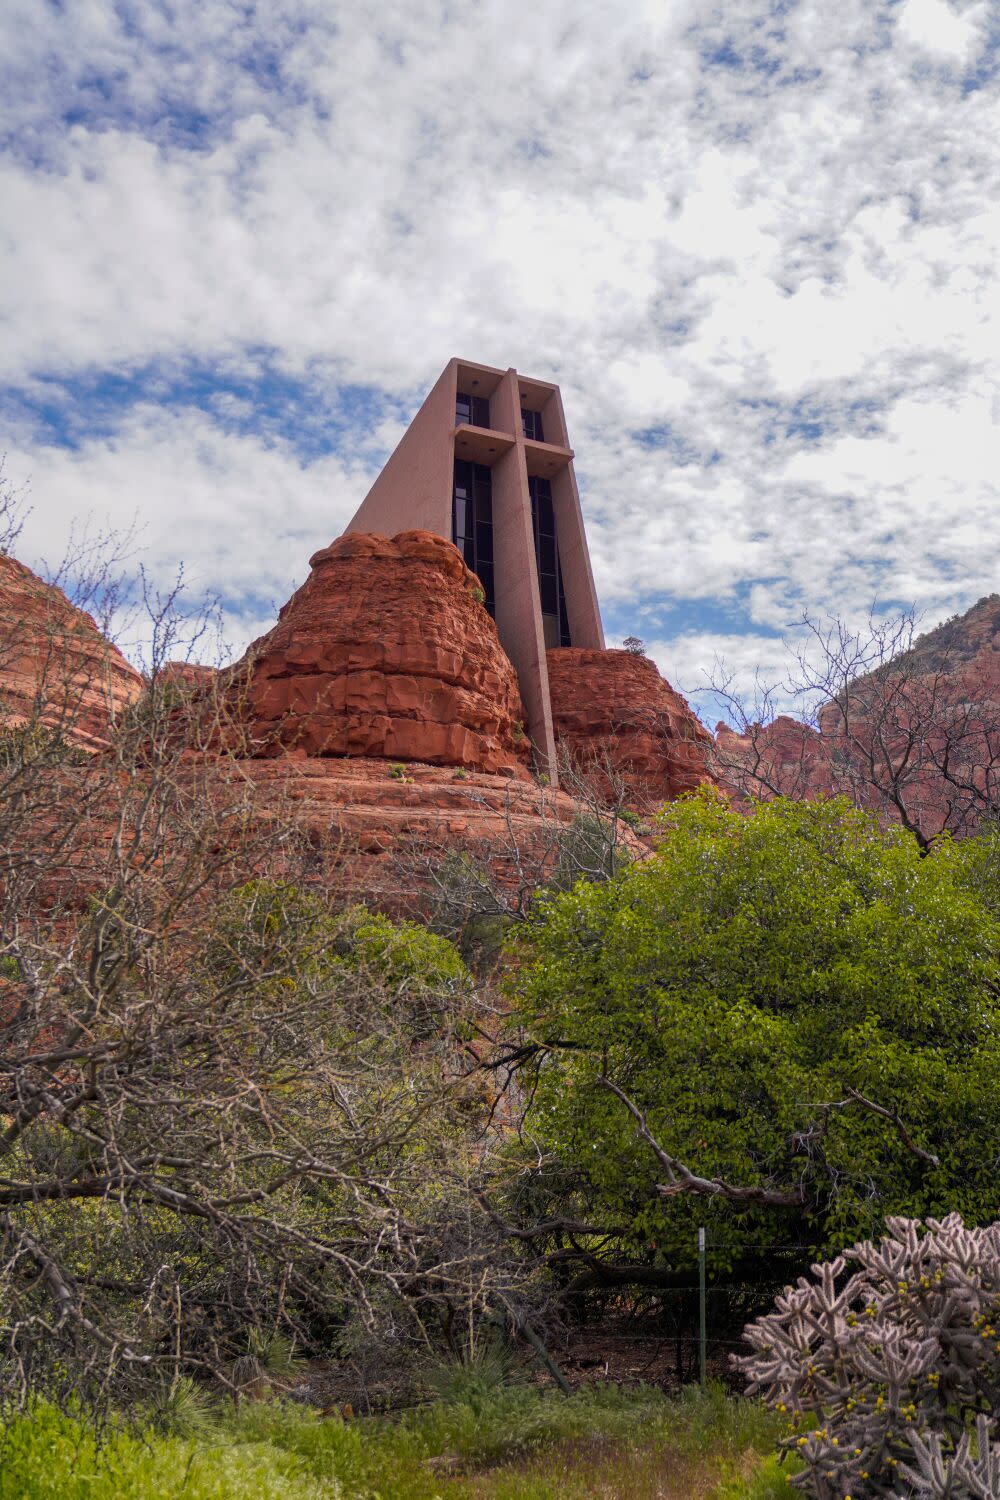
(783, 1025)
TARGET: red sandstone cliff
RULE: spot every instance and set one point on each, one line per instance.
(384, 655)
(613, 706)
(386, 651)
(378, 836)
(55, 662)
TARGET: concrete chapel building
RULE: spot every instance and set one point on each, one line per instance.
(486, 462)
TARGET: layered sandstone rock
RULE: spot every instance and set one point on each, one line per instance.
(55, 663)
(386, 651)
(382, 837)
(613, 707)
(189, 675)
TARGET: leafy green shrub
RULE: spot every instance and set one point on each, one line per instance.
(50, 1455)
(401, 954)
(802, 1008)
(881, 1371)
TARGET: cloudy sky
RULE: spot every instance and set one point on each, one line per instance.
(755, 242)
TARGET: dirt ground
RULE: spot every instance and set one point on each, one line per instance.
(615, 1350)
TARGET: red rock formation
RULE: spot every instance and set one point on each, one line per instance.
(54, 661)
(785, 755)
(615, 704)
(376, 834)
(386, 651)
(188, 674)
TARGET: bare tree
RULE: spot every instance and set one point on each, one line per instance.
(13, 510)
(216, 1114)
(890, 718)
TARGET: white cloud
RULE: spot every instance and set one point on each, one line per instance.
(773, 237)
(242, 517)
(937, 27)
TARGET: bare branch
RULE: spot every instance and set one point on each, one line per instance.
(894, 1119)
(680, 1179)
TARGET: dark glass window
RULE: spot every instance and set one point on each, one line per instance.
(472, 409)
(472, 522)
(550, 583)
(531, 421)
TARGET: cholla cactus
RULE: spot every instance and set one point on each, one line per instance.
(881, 1369)
(963, 1474)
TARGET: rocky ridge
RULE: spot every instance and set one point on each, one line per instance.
(382, 715)
(56, 664)
(934, 704)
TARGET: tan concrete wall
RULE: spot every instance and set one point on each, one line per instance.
(414, 490)
(554, 421)
(582, 609)
(518, 608)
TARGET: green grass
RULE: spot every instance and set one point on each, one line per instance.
(516, 1444)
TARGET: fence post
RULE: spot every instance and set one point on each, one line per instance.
(702, 1321)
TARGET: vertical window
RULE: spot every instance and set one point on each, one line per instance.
(531, 421)
(550, 585)
(475, 410)
(472, 522)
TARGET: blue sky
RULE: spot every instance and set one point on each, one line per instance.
(757, 243)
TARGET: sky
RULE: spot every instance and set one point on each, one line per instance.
(756, 243)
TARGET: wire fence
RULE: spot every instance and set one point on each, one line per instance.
(726, 1303)
(688, 1333)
